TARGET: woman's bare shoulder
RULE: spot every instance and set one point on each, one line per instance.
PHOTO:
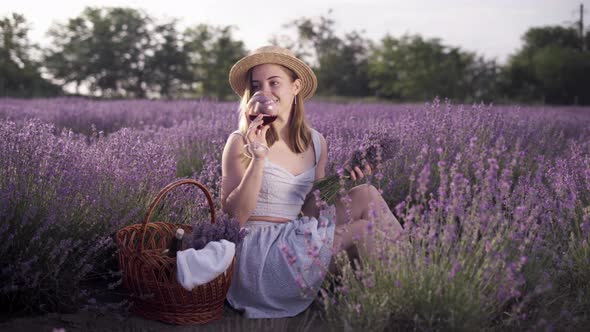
(233, 151)
(234, 140)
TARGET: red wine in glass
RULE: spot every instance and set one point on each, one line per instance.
(266, 119)
(266, 106)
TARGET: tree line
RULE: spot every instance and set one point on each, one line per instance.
(125, 53)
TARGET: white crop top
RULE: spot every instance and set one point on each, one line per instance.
(282, 194)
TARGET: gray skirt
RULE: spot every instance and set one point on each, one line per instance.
(281, 266)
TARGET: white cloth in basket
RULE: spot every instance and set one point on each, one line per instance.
(197, 267)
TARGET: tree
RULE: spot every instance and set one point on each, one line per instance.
(384, 68)
(345, 72)
(68, 61)
(411, 68)
(168, 69)
(211, 52)
(551, 67)
(19, 74)
(105, 49)
(340, 63)
(483, 78)
(563, 75)
(538, 38)
(122, 52)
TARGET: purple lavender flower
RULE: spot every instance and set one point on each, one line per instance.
(225, 227)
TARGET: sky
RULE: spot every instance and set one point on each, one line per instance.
(491, 28)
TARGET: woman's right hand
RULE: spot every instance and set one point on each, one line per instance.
(256, 138)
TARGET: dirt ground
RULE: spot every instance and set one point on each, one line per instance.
(92, 320)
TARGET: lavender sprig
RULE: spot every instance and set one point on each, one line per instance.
(225, 227)
(330, 186)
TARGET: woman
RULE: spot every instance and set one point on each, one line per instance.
(268, 172)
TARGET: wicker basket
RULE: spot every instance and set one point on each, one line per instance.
(150, 276)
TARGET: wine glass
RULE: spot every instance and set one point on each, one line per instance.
(264, 104)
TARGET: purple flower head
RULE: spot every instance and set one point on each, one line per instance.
(225, 227)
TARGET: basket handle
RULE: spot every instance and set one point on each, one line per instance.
(162, 193)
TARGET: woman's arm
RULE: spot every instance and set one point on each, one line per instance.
(240, 185)
(309, 207)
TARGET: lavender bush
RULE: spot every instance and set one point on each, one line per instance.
(61, 200)
(495, 202)
(64, 195)
(484, 220)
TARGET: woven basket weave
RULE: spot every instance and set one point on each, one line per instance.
(150, 276)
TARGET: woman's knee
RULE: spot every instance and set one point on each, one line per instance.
(359, 195)
(360, 199)
(374, 193)
(365, 191)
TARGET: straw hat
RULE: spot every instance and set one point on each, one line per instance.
(277, 55)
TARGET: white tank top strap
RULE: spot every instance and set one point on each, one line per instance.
(237, 132)
(317, 144)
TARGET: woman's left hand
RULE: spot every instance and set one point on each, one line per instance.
(356, 173)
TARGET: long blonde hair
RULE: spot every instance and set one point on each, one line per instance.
(300, 133)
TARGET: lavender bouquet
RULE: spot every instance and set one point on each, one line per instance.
(225, 227)
(371, 152)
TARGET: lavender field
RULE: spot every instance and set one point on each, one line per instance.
(494, 200)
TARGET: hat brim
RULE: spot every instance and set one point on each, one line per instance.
(238, 74)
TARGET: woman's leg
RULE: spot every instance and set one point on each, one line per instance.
(347, 237)
(353, 220)
(365, 200)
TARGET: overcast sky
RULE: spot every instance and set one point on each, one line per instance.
(492, 28)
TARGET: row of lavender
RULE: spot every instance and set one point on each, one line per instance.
(496, 211)
(495, 203)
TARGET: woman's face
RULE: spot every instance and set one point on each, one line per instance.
(277, 81)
